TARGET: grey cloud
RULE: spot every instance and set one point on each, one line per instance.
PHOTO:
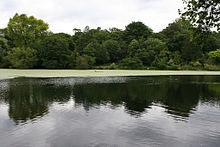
(64, 15)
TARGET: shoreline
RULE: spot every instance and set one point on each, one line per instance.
(51, 73)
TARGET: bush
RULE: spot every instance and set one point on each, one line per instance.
(84, 62)
(22, 58)
(131, 63)
(159, 65)
(188, 67)
(173, 67)
(215, 56)
(196, 65)
(211, 67)
(113, 66)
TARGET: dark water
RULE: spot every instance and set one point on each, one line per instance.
(110, 112)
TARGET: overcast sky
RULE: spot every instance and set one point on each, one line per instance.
(64, 15)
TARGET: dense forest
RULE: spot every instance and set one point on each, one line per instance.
(27, 43)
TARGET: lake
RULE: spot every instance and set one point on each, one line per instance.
(110, 111)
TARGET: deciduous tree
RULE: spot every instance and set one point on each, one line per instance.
(136, 30)
(25, 31)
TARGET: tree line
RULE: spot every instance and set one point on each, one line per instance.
(27, 43)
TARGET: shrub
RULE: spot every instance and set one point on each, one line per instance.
(215, 56)
(22, 58)
(84, 62)
(194, 65)
(188, 67)
(131, 63)
(173, 67)
(159, 65)
(113, 66)
(211, 67)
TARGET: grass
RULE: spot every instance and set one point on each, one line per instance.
(13, 73)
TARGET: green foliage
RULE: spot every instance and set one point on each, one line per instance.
(72, 60)
(203, 14)
(153, 47)
(72, 45)
(82, 39)
(136, 30)
(172, 67)
(113, 66)
(212, 42)
(131, 63)
(22, 58)
(114, 50)
(3, 50)
(155, 44)
(176, 58)
(211, 67)
(90, 49)
(54, 52)
(178, 39)
(164, 55)
(190, 51)
(215, 56)
(96, 50)
(117, 35)
(161, 60)
(175, 34)
(25, 31)
(133, 47)
(194, 65)
(102, 55)
(145, 56)
(84, 62)
(158, 64)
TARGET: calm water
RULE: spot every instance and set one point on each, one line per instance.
(110, 112)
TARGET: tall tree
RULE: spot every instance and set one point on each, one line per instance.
(25, 31)
(152, 49)
(96, 50)
(114, 50)
(82, 39)
(178, 39)
(136, 30)
(54, 52)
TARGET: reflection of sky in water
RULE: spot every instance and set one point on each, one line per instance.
(68, 123)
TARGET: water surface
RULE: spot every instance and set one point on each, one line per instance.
(110, 111)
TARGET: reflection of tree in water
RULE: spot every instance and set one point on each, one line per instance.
(31, 98)
(28, 99)
(114, 93)
(179, 95)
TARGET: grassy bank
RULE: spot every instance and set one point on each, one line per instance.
(13, 73)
